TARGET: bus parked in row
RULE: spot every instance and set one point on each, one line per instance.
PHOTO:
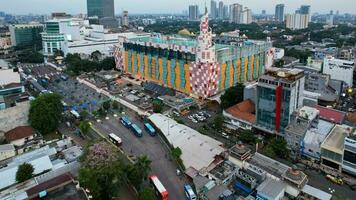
(137, 131)
(150, 129)
(160, 190)
(126, 121)
(115, 139)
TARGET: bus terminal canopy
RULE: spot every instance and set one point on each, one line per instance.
(198, 150)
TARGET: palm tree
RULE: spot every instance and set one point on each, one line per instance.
(143, 165)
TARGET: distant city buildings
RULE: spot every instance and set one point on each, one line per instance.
(213, 9)
(246, 16)
(26, 35)
(193, 12)
(102, 12)
(279, 13)
(125, 18)
(297, 21)
(235, 13)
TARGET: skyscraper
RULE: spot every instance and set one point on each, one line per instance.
(226, 12)
(213, 9)
(279, 14)
(221, 10)
(193, 12)
(305, 10)
(125, 18)
(100, 8)
(246, 16)
(297, 21)
(235, 13)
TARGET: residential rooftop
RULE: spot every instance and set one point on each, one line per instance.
(244, 110)
(331, 115)
(335, 140)
(288, 75)
(8, 76)
(271, 188)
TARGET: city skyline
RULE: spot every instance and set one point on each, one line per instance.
(162, 6)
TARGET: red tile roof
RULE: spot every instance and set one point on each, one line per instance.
(19, 133)
(331, 115)
(243, 110)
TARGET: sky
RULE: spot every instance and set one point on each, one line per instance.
(169, 6)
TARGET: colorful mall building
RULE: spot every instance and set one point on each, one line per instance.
(197, 67)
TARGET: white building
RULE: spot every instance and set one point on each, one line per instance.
(7, 151)
(125, 18)
(341, 70)
(235, 13)
(246, 16)
(297, 21)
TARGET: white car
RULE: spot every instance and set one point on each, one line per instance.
(194, 121)
(107, 118)
(98, 120)
(115, 115)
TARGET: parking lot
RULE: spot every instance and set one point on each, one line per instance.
(161, 165)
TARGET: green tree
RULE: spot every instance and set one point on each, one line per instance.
(108, 63)
(279, 147)
(83, 115)
(232, 96)
(157, 106)
(176, 153)
(101, 171)
(115, 105)
(147, 194)
(24, 172)
(84, 127)
(106, 105)
(30, 56)
(45, 112)
(96, 55)
(138, 172)
(247, 136)
(219, 122)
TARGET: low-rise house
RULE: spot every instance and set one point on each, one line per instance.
(241, 115)
(271, 189)
(7, 151)
(23, 137)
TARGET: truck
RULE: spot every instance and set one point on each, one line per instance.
(136, 130)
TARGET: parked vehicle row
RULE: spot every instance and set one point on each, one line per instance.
(201, 116)
(135, 128)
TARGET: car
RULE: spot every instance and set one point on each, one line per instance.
(194, 121)
(98, 120)
(225, 135)
(115, 115)
(107, 118)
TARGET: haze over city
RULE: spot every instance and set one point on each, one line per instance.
(165, 6)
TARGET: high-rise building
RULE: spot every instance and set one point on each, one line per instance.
(297, 21)
(213, 9)
(305, 10)
(26, 35)
(263, 12)
(279, 94)
(221, 10)
(100, 8)
(125, 18)
(279, 13)
(226, 12)
(246, 16)
(235, 13)
(193, 12)
(341, 70)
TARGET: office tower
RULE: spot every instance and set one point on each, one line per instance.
(263, 12)
(221, 10)
(279, 94)
(213, 9)
(305, 10)
(330, 19)
(193, 12)
(235, 13)
(26, 35)
(226, 12)
(125, 18)
(279, 13)
(246, 16)
(297, 21)
(100, 8)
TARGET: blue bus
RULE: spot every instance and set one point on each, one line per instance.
(126, 121)
(150, 129)
(189, 193)
(137, 131)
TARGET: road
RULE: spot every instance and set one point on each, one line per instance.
(161, 166)
(319, 181)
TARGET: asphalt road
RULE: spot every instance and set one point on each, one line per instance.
(339, 191)
(161, 165)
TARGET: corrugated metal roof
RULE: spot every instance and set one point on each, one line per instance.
(316, 193)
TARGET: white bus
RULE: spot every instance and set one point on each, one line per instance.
(115, 139)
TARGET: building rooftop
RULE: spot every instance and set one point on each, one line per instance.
(19, 116)
(223, 170)
(315, 192)
(282, 74)
(331, 115)
(308, 113)
(317, 135)
(19, 133)
(7, 147)
(244, 110)
(335, 140)
(8, 76)
(271, 188)
(59, 180)
(269, 165)
(198, 150)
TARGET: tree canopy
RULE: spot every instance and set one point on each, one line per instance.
(77, 65)
(147, 194)
(45, 112)
(30, 56)
(84, 127)
(277, 147)
(24, 172)
(138, 172)
(232, 96)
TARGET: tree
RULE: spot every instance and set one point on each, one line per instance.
(84, 127)
(24, 172)
(219, 122)
(247, 136)
(279, 147)
(176, 153)
(101, 171)
(30, 56)
(108, 63)
(232, 96)
(45, 112)
(147, 194)
(157, 106)
(115, 105)
(83, 115)
(138, 172)
(106, 105)
(96, 55)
